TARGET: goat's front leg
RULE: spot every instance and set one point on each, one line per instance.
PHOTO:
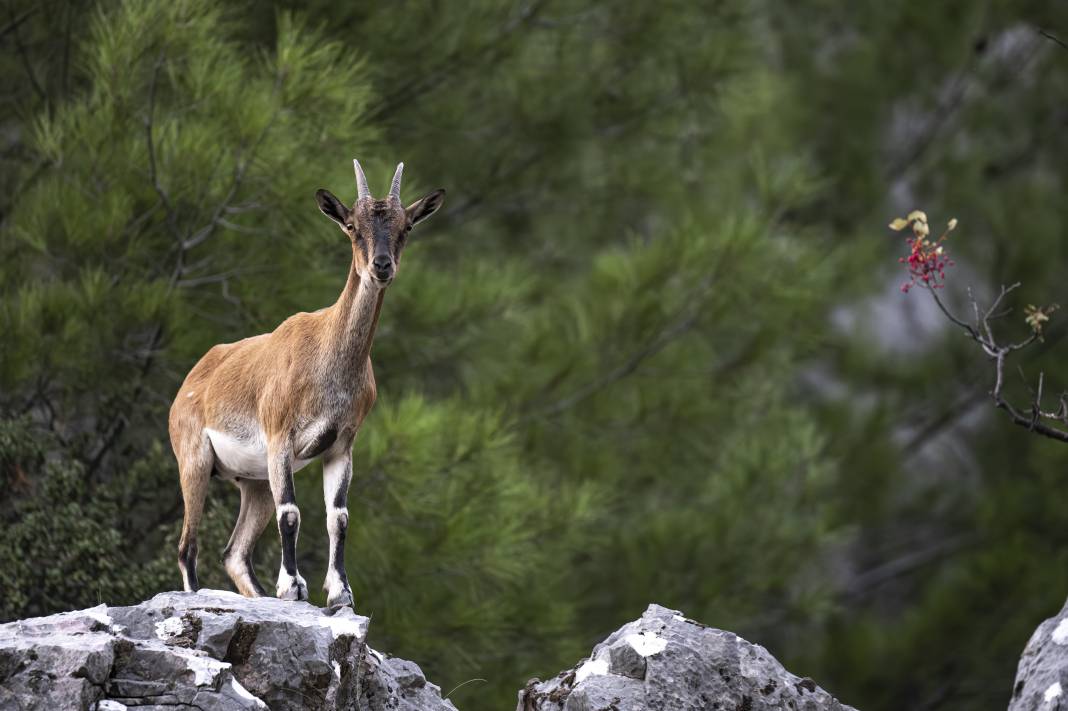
(337, 473)
(280, 472)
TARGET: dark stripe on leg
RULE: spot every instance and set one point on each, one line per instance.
(187, 558)
(288, 496)
(256, 586)
(341, 496)
(288, 527)
(342, 524)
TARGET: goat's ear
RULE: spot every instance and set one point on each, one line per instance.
(332, 207)
(425, 206)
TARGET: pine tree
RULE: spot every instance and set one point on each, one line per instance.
(164, 205)
(645, 353)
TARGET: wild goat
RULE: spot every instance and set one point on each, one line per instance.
(255, 411)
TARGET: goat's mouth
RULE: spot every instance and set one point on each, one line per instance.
(382, 281)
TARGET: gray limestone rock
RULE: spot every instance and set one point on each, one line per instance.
(665, 661)
(219, 651)
(1042, 674)
(210, 650)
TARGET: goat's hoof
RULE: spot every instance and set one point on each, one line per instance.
(342, 599)
(291, 587)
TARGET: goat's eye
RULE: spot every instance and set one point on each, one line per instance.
(349, 226)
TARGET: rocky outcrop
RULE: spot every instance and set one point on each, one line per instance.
(210, 650)
(218, 651)
(665, 661)
(1042, 674)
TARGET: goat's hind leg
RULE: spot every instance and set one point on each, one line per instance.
(195, 463)
(257, 506)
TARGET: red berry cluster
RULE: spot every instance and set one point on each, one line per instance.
(927, 263)
(927, 259)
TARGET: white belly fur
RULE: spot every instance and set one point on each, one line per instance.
(243, 458)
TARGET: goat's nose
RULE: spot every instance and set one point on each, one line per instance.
(383, 266)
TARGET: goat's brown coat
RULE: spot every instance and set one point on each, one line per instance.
(302, 390)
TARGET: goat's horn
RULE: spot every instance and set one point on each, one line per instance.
(394, 190)
(361, 181)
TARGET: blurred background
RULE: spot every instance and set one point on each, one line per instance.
(653, 348)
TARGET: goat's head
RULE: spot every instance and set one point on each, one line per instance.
(378, 228)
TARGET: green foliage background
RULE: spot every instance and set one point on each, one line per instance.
(652, 348)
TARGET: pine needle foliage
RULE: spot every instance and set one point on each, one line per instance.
(640, 355)
(161, 199)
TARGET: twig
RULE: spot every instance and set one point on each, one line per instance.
(967, 329)
(908, 563)
(150, 141)
(13, 27)
(16, 21)
(682, 324)
(448, 66)
(657, 344)
(463, 684)
(1056, 39)
(983, 335)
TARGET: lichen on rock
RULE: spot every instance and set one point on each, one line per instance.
(665, 661)
(1042, 673)
(212, 650)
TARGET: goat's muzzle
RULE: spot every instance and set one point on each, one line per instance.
(382, 268)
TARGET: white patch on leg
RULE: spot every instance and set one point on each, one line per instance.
(291, 587)
(337, 592)
(332, 516)
(282, 509)
(234, 564)
(239, 573)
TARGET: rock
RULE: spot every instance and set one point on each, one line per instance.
(1042, 674)
(665, 661)
(210, 650)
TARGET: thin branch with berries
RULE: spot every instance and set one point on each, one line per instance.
(926, 263)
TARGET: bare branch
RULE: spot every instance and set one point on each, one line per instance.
(908, 563)
(967, 328)
(111, 432)
(682, 324)
(989, 314)
(13, 27)
(450, 63)
(16, 21)
(238, 228)
(1035, 418)
(1053, 37)
(150, 141)
(217, 278)
(235, 184)
(624, 369)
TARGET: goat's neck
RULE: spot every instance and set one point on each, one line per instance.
(354, 319)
